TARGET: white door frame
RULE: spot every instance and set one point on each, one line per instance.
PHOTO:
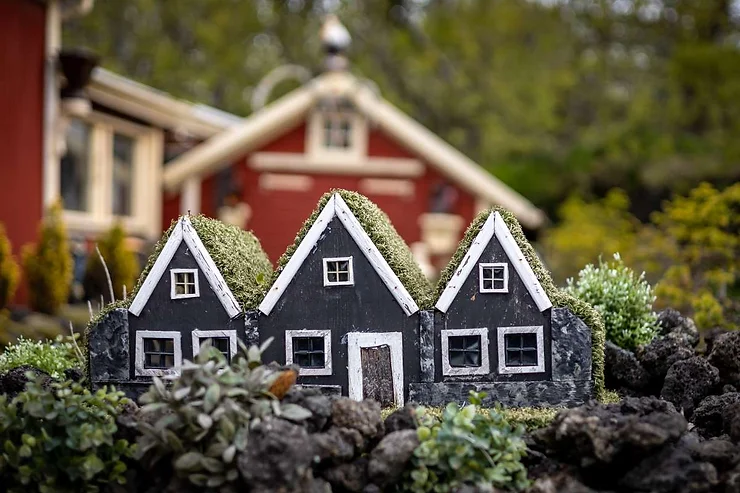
(357, 340)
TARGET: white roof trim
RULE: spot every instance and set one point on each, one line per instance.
(495, 226)
(336, 206)
(184, 230)
(262, 125)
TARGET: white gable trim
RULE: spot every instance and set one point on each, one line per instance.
(494, 226)
(184, 231)
(336, 206)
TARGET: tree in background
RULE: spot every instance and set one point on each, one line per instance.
(9, 270)
(48, 264)
(122, 264)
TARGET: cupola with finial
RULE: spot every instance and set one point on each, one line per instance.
(335, 41)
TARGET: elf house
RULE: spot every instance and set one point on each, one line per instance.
(344, 304)
(200, 279)
(495, 328)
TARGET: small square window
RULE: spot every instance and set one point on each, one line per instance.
(521, 350)
(159, 353)
(220, 343)
(494, 278)
(184, 283)
(223, 340)
(338, 271)
(310, 350)
(464, 351)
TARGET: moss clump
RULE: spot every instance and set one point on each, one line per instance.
(531, 418)
(558, 297)
(237, 254)
(379, 228)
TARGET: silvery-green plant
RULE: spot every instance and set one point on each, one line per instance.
(201, 418)
(624, 299)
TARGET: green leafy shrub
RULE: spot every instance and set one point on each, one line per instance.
(122, 266)
(53, 357)
(9, 270)
(61, 439)
(48, 265)
(202, 420)
(466, 446)
(624, 300)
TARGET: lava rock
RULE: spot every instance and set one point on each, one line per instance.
(622, 370)
(336, 445)
(350, 477)
(724, 356)
(710, 336)
(469, 488)
(559, 483)
(668, 319)
(608, 440)
(389, 458)
(722, 454)
(671, 470)
(726, 389)
(279, 455)
(314, 401)
(658, 356)
(688, 382)
(74, 374)
(401, 419)
(731, 421)
(307, 484)
(708, 415)
(14, 381)
(363, 416)
(732, 481)
(672, 323)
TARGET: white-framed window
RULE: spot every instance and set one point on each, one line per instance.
(184, 283)
(465, 352)
(223, 340)
(309, 349)
(111, 172)
(158, 353)
(338, 271)
(521, 350)
(494, 277)
(336, 131)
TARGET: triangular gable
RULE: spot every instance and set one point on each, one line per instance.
(495, 226)
(184, 231)
(337, 207)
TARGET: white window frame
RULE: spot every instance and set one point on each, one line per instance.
(146, 189)
(482, 266)
(140, 370)
(454, 371)
(350, 282)
(317, 151)
(197, 335)
(173, 294)
(310, 372)
(513, 370)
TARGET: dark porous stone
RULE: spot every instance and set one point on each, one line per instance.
(307, 484)
(372, 488)
(14, 381)
(725, 356)
(279, 455)
(401, 419)
(74, 374)
(571, 347)
(483, 488)
(108, 344)
(363, 416)
(722, 454)
(726, 389)
(313, 400)
(731, 421)
(672, 470)
(608, 440)
(622, 370)
(688, 382)
(732, 481)
(511, 394)
(668, 319)
(710, 336)
(351, 477)
(337, 445)
(672, 323)
(708, 415)
(658, 356)
(389, 458)
(559, 483)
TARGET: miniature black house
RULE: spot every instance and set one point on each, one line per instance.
(349, 305)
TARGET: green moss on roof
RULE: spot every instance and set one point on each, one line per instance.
(379, 228)
(237, 254)
(558, 297)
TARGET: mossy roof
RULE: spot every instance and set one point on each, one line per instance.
(379, 228)
(238, 255)
(558, 297)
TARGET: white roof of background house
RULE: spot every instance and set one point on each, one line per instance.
(262, 126)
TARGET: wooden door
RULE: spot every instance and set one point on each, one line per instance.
(377, 374)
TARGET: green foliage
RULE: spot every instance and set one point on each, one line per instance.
(48, 265)
(61, 440)
(466, 446)
(9, 270)
(53, 357)
(121, 262)
(530, 418)
(202, 420)
(624, 300)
